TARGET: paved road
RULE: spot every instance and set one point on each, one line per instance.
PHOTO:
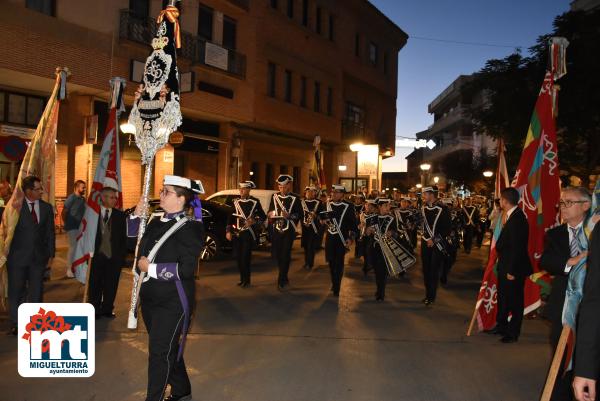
(304, 345)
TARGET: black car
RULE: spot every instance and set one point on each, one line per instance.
(214, 217)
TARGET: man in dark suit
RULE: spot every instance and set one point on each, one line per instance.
(561, 252)
(31, 250)
(514, 267)
(109, 254)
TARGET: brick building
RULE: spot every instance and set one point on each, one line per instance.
(260, 78)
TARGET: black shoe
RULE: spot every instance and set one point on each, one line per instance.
(240, 283)
(109, 315)
(179, 398)
(307, 267)
(379, 298)
(428, 302)
(336, 294)
(12, 331)
(444, 280)
(508, 339)
(425, 301)
(245, 284)
(281, 286)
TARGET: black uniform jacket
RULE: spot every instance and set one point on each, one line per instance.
(511, 246)
(183, 248)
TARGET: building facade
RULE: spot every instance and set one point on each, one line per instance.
(459, 149)
(259, 78)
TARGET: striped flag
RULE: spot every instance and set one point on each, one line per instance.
(108, 172)
(39, 161)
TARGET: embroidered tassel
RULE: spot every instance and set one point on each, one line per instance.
(558, 57)
(117, 86)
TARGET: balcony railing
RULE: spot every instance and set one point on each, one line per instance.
(352, 131)
(194, 48)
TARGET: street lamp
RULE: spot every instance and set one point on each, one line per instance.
(355, 147)
(419, 186)
(488, 173)
(128, 128)
(424, 170)
(436, 179)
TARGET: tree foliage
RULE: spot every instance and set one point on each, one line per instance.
(511, 86)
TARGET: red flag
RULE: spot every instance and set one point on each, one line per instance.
(487, 300)
(108, 172)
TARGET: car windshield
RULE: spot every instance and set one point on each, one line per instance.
(220, 199)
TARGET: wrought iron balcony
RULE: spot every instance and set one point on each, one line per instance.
(352, 131)
(194, 48)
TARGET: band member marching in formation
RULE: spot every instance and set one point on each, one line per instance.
(436, 227)
(366, 240)
(310, 225)
(405, 220)
(385, 224)
(169, 251)
(470, 215)
(243, 229)
(341, 231)
(285, 212)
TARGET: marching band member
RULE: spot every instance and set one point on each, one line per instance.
(167, 296)
(386, 225)
(436, 227)
(341, 231)
(285, 212)
(310, 225)
(470, 217)
(405, 220)
(243, 229)
(366, 240)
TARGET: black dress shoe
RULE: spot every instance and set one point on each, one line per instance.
(179, 398)
(307, 267)
(336, 294)
(245, 284)
(240, 283)
(508, 339)
(444, 280)
(12, 331)
(109, 315)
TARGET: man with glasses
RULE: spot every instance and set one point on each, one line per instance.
(562, 251)
(31, 250)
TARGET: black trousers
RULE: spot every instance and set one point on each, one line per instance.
(479, 234)
(282, 249)
(468, 238)
(381, 272)
(413, 237)
(433, 263)
(243, 245)
(104, 281)
(164, 323)
(310, 242)
(335, 253)
(511, 294)
(25, 284)
(367, 243)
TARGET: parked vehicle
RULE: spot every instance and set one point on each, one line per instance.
(227, 196)
(214, 217)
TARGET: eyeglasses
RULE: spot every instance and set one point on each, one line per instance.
(569, 203)
(165, 192)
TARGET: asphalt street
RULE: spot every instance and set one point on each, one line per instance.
(305, 345)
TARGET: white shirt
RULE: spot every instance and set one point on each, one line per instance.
(510, 212)
(569, 230)
(36, 205)
(103, 210)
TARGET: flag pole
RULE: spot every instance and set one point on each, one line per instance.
(470, 329)
(556, 361)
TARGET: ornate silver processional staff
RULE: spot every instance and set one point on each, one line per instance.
(155, 115)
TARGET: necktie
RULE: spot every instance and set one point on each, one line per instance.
(105, 216)
(33, 214)
(574, 245)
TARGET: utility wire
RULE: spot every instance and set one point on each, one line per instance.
(458, 42)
